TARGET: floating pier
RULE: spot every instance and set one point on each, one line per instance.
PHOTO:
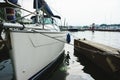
(105, 57)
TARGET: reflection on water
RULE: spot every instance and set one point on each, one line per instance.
(93, 70)
(73, 71)
(6, 71)
(60, 73)
(74, 68)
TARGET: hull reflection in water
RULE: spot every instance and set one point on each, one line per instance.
(73, 71)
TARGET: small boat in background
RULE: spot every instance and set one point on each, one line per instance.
(33, 47)
(72, 29)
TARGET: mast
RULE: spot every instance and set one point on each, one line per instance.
(37, 13)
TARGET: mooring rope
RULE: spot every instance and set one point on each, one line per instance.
(76, 47)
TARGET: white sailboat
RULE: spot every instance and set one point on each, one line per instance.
(34, 47)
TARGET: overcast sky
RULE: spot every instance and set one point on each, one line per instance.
(83, 12)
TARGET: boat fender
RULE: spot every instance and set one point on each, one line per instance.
(1, 44)
(68, 39)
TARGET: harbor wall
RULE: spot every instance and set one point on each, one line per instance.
(105, 57)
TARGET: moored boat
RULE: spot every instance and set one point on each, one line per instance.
(33, 47)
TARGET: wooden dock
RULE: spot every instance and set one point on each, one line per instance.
(105, 57)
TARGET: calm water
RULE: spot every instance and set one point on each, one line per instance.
(76, 70)
(108, 38)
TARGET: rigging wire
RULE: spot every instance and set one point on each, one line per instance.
(21, 17)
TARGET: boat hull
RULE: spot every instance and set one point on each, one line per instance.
(32, 52)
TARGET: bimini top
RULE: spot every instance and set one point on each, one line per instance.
(46, 8)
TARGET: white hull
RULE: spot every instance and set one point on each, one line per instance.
(34, 46)
(31, 52)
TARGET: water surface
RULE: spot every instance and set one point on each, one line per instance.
(80, 68)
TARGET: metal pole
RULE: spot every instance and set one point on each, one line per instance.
(37, 12)
(43, 19)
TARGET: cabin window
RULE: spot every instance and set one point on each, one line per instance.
(48, 21)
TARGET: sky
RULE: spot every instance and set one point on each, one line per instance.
(82, 12)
